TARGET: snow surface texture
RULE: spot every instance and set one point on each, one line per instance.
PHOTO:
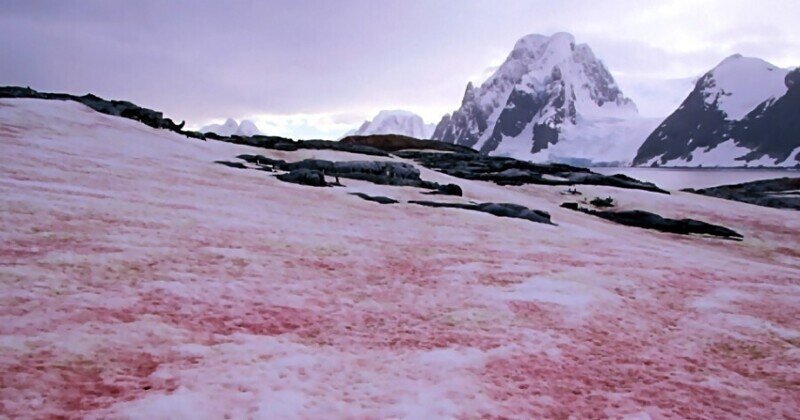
(231, 127)
(396, 122)
(550, 100)
(138, 279)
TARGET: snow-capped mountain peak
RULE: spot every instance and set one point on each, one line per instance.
(732, 85)
(547, 86)
(247, 128)
(230, 127)
(396, 122)
(743, 112)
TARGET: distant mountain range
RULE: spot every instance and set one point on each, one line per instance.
(231, 127)
(744, 112)
(395, 122)
(553, 100)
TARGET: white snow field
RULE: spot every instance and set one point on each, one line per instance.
(138, 279)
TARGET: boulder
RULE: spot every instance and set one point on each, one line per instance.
(602, 202)
(236, 165)
(647, 220)
(377, 199)
(514, 211)
(304, 176)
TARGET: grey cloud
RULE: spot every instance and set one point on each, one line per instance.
(208, 59)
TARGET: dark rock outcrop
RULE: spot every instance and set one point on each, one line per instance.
(509, 171)
(304, 176)
(377, 172)
(394, 142)
(376, 198)
(449, 189)
(289, 145)
(237, 165)
(123, 109)
(647, 220)
(781, 193)
(602, 202)
(515, 211)
(156, 119)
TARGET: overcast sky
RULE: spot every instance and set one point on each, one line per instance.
(316, 69)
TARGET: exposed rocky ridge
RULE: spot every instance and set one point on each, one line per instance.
(303, 176)
(377, 172)
(742, 112)
(781, 193)
(393, 143)
(156, 119)
(289, 145)
(510, 210)
(648, 220)
(508, 171)
(123, 109)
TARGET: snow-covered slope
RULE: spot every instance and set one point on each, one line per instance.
(396, 122)
(231, 127)
(744, 112)
(604, 141)
(139, 279)
(551, 98)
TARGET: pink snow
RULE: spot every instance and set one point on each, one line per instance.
(138, 279)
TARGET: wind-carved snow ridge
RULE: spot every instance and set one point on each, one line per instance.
(549, 93)
(231, 127)
(400, 122)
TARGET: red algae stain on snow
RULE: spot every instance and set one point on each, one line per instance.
(156, 278)
(605, 377)
(207, 317)
(643, 357)
(55, 384)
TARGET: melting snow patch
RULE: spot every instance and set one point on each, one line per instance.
(574, 295)
(183, 403)
(719, 299)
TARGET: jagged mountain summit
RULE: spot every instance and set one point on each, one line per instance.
(744, 112)
(552, 99)
(400, 122)
(231, 127)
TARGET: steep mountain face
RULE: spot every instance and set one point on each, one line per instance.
(744, 112)
(548, 92)
(396, 122)
(231, 127)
